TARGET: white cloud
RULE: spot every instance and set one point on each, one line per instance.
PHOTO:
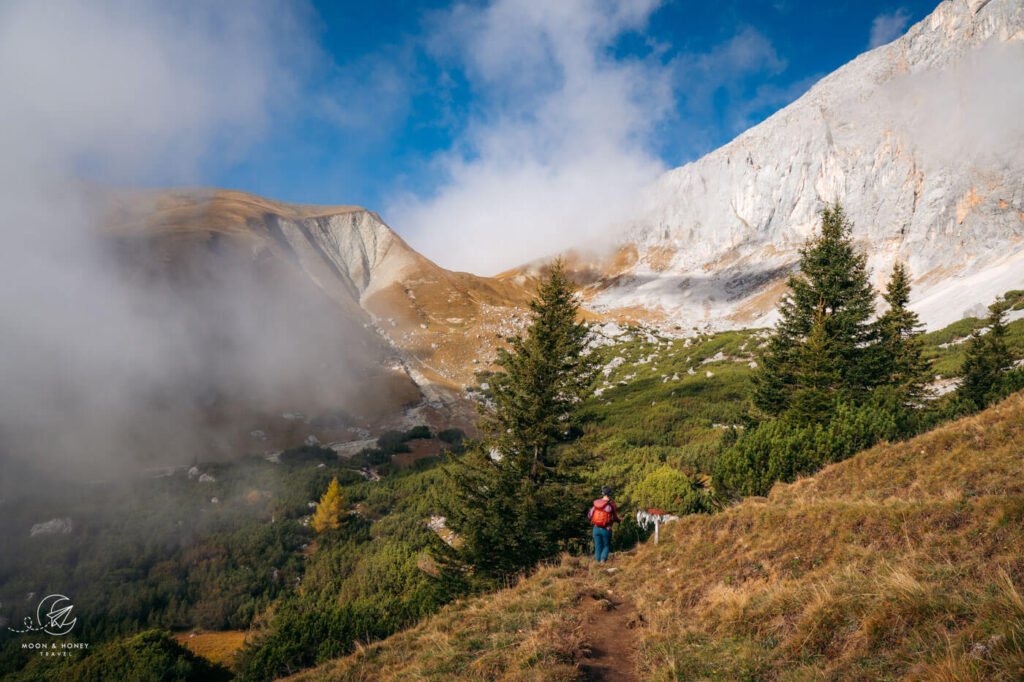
(968, 113)
(147, 86)
(560, 140)
(749, 51)
(887, 27)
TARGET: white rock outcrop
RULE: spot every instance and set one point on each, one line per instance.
(58, 526)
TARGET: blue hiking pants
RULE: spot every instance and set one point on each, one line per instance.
(602, 543)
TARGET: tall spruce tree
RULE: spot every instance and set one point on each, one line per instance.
(987, 360)
(547, 373)
(511, 497)
(897, 352)
(833, 277)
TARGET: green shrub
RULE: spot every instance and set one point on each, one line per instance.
(373, 457)
(308, 453)
(670, 490)
(452, 436)
(778, 450)
(421, 431)
(393, 442)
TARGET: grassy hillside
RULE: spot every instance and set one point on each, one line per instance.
(905, 561)
(180, 554)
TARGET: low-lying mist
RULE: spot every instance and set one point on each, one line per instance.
(116, 348)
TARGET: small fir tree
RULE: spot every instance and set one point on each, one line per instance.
(547, 373)
(987, 360)
(816, 378)
(330, 510)
(496, 518)
(833, 277)
(898, 359)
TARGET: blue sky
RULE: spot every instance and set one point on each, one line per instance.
(400, 105)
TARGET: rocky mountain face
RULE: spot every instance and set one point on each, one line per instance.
(916, 139)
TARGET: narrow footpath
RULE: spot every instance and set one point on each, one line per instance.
(610, 623)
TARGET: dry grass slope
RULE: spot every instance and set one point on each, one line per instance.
(904, 562)
(529, 632)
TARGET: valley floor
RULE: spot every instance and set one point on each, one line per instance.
(903, 562)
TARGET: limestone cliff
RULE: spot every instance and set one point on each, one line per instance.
(914, 138)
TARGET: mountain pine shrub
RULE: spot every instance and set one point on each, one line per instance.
(782, 450)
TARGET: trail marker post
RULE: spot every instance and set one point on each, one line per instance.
(658, 517)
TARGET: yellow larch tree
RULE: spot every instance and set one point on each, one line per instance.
(329, 511)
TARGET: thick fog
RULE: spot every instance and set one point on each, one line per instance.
(105, 359)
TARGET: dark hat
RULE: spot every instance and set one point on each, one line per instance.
(606, 490)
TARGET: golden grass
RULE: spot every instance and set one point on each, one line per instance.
(219, 647)
(904, 562)
(189, 209)
(893, 564)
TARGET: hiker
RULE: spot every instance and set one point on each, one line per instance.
(603, 515)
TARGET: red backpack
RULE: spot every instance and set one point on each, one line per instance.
(601, 515)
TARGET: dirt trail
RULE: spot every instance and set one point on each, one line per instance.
(610, 623)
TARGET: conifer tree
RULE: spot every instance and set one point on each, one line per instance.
(547, 373)
(987, 360)
(816, 378)
(897, 352)
(833, 277)
(500, 527)
(330, 510)
(511, 499)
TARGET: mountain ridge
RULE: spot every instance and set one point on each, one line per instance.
(433, 321)
(717, 237)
